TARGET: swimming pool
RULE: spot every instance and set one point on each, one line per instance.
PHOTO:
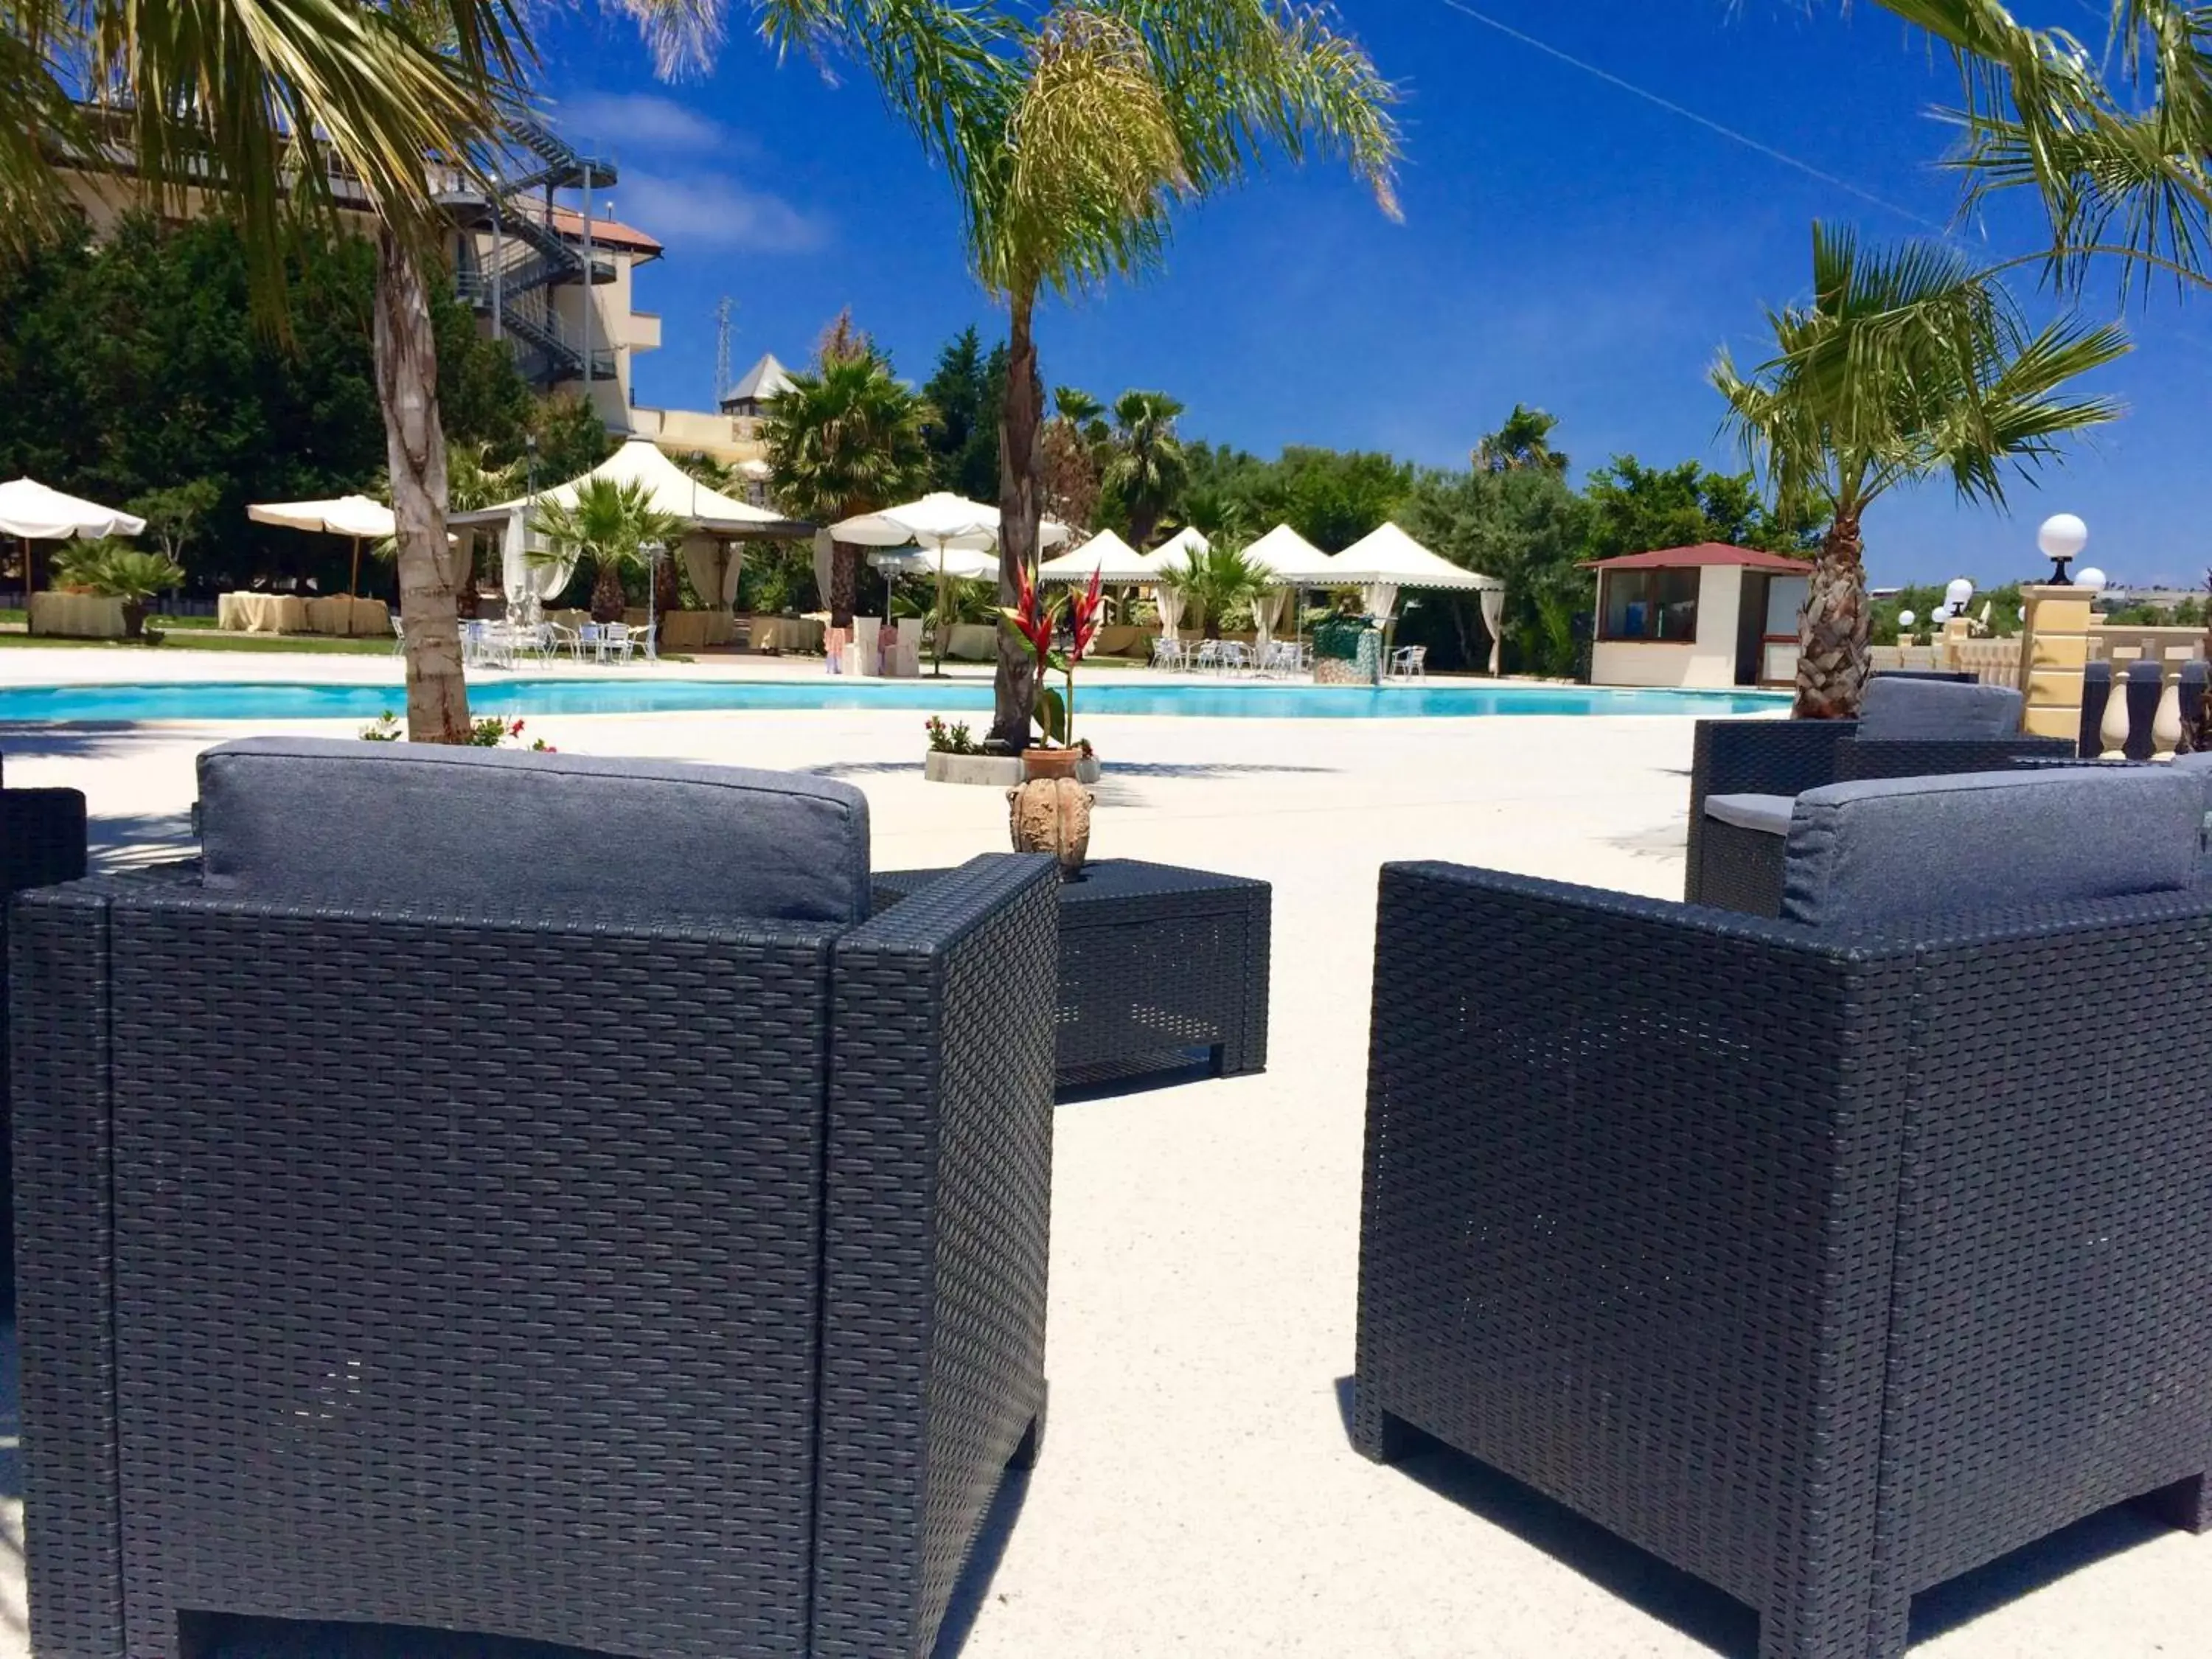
(289, 701)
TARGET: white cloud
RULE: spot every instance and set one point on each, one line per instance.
(626, 124)
(716, 210)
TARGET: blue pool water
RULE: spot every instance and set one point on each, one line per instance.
(280, 700)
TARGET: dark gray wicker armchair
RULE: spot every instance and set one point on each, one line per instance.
(42, 841)
(658, 1271)
(1825, 1262)
(1913, 726)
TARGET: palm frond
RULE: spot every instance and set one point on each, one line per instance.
(1909, 363)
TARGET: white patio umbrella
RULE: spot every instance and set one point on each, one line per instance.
(357, 516)
(939, 524)
(31, 512)
(1390, 560)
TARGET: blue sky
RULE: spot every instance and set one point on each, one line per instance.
(1566, 244)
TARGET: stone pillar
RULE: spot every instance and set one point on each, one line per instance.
(1956, 632)
(2053, 652)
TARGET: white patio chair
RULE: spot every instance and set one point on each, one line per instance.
(614, 642)
(1236, 657)
(643, 642)
(398, 636)
(1209, 655)
(1409, 663)
(563, 640)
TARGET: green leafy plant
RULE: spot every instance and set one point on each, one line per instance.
(951, 740)
(1214, 583)
(488, 731)
(120, 572)
(1908, 364)
(609, 524)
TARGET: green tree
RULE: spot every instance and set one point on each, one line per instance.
(1145, 469)
(174, 514)
(608, 525)
(1529, 529)
(1907, 365)
(1523, 444)
(178, 383)
(1070, 135)
(846, 439)
(1637, 508)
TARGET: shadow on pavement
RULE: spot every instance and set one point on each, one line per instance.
(1706, 1614)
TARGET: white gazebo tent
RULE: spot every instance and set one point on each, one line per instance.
(1292, 564)
(715, 523)
(1389, 561)
(31, 512)
(1112, 560)
(356, 516)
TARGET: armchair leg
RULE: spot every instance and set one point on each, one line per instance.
(2185, 1505)
(1376, 1434)
(1840, 1625)
(1025, 1454)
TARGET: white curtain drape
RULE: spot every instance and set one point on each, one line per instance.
(1380, 600)
(713, 565)
(1170, 603)
(1493, 614)
(1267, 614)
(519, 576)
(823, 555)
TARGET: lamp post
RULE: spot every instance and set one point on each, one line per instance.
(2062, 538)
(654, 553)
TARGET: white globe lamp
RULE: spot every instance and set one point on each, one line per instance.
(1959, 595)
(1906, 618)
(2062, 539)
(2092, 578)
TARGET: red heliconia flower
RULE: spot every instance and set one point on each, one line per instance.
(1085, 619)
(1032, 620)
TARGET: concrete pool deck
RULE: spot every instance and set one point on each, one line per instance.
(1197, 1494)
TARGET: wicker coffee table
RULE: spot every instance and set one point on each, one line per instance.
(1160, 969)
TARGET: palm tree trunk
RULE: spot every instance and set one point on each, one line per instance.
(1832, 658)
(1021, 464)
(415, 443)
(1144, 525)
(610, 600)
(844, 579)
(667, 591)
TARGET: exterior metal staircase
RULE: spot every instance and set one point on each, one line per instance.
(540, 260)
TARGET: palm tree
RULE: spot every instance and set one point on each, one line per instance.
(1215, 582)
(1071, 138)
(1523, 444)
(1907, 364)
(609, 524)
(2115, 143)
(1146, 466)
(1083, 413)
(846, 439)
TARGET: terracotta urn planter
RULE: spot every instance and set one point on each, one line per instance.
(1052, 815)
(1050, 763)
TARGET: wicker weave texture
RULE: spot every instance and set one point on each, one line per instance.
(465, 1273)
(940, 1197)
(1690, 1259)
(42, 842)
(1155, 962)
(65, 1308)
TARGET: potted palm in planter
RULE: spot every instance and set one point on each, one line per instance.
(609, 523)
(128, 575)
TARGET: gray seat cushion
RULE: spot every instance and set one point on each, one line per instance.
(1860, 853)
(1898, 710)
(1768, 812)
(421, 824)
